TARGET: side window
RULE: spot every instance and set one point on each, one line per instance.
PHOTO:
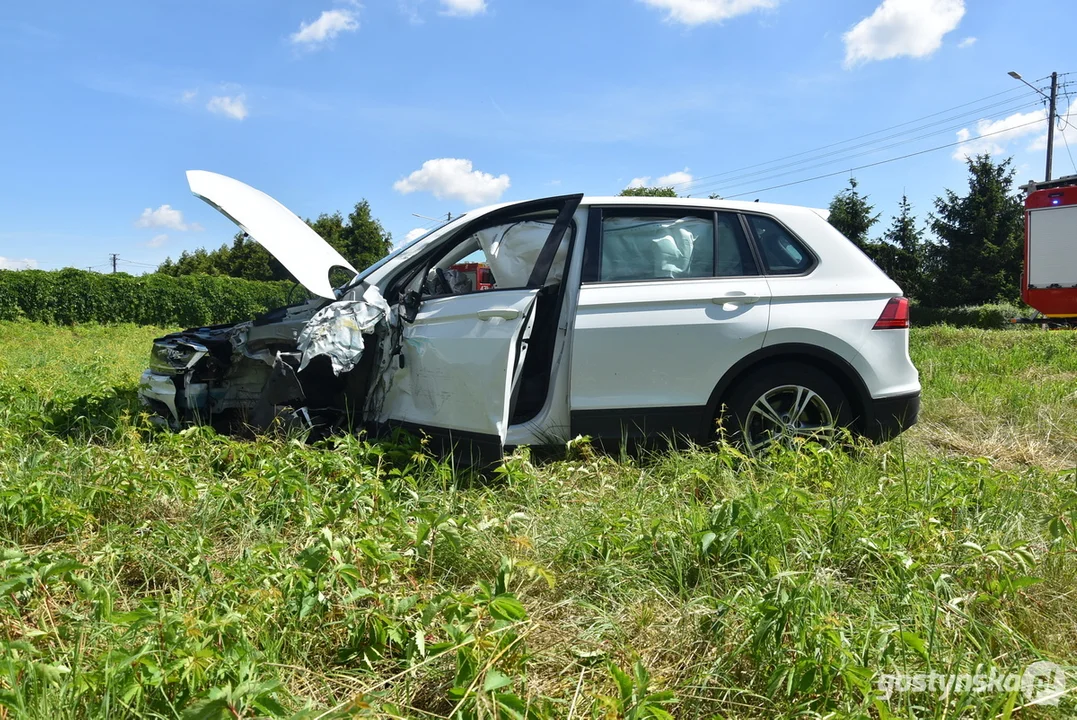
(651, 248)
(734, 255)
(782, 253)
(500, 257)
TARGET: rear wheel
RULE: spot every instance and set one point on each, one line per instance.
(784, 402)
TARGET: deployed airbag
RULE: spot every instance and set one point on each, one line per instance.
(337, 330)
(512, 252)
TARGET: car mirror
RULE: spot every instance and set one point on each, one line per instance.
(410, 306)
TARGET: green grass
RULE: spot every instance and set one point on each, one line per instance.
(154, 574)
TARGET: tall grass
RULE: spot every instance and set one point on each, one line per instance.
(155, 574)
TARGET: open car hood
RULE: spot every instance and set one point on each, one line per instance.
(302, 251)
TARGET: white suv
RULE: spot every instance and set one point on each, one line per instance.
(619, 318)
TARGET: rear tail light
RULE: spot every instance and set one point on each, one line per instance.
(895, 315)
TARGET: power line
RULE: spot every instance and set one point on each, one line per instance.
(880, 162)
(769, 175)
(877, 132)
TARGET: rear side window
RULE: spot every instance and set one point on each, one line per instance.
(734, 255)
(655, 248)
(782, 253)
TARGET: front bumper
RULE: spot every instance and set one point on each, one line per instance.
(158, 392)
(889, 417)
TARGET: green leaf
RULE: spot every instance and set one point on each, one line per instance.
(507, 607)
(207, 709)
(914, 642)
(708, 539)
(495, 680)
(624, 683)
(51, 672)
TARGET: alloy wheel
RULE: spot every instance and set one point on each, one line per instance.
(787, 412)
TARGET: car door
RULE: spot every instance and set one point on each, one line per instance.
(671, 299)
(460, 354)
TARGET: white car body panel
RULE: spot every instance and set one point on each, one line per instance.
(306, 255)
(459, 354)
(663, 343)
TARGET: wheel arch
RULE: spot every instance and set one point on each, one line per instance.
(827, 361)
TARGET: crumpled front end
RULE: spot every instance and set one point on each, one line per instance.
(304, 365)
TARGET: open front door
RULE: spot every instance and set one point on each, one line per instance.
(460, 357)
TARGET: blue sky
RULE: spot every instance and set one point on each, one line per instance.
(435, 106)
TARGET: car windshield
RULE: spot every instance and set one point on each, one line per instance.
(398, 250)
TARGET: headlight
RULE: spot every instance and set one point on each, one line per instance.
(176, 357)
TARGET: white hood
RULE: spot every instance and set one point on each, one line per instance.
(306, 255)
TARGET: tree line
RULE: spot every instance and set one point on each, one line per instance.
(972, 255)
(969, 251)
(359, 237)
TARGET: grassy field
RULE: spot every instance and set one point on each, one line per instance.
(154, 574)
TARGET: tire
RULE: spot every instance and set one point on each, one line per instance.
(824, 408)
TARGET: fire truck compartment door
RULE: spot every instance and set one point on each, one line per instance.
(1052, 247)
(457, 361)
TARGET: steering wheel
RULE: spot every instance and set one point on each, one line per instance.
(442, 280)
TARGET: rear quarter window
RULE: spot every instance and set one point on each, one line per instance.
(782, 253)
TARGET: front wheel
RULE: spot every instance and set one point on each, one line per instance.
(786, 401)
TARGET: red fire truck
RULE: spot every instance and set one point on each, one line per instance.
(1049, 280)
(479, 274)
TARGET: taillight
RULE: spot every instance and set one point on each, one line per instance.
(895, 315)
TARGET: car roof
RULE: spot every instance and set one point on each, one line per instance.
(686, 202)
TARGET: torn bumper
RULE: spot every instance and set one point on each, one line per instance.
(158, 392)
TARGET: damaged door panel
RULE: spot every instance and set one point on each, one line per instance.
(461, 360)
(456, 362)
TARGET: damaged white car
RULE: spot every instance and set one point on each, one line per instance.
(619, 318)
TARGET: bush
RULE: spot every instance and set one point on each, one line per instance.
(987, 317)
(69, 296)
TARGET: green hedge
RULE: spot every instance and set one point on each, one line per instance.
(988, 317)
(76, 296)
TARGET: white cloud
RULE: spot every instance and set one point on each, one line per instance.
(697, 12)
(1069, 119)
(234, 106)
(902, 27)
(463, 8)
(157, 241)
(680, 177)
(13, 264)
(165, 216)
(1001, 132)
(454, 179)
(674, 178)
(416, 233)
(328, 25)
(967, 43)
(189, 95)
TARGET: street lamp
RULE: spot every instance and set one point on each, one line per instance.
(1051, 100)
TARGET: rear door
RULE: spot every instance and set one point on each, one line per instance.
(671, 299)
(461, 352)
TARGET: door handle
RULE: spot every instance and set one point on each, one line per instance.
(740, 298)
(503, 313)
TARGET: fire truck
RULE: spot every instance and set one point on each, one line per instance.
(478, 273)
(1049, 280)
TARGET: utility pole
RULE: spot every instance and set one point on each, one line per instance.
(113, 257)
(1052, 102)
(1051, 124)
